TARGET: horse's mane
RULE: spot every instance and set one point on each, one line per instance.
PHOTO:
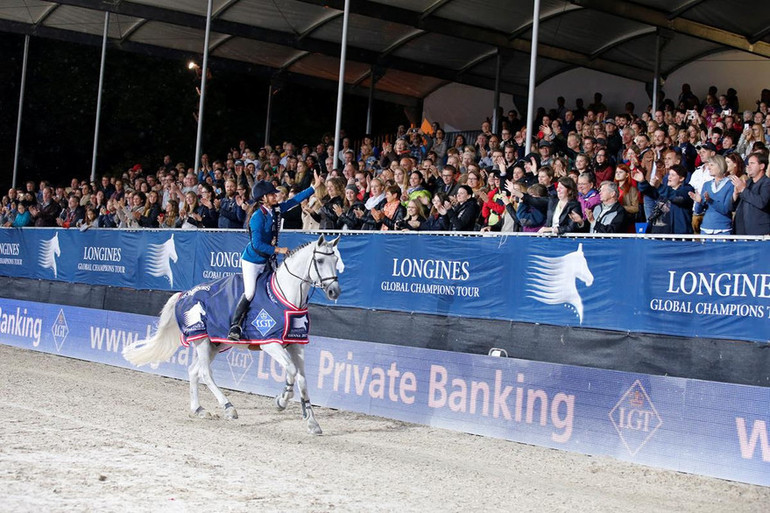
(296, 250)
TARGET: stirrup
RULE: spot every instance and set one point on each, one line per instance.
(235, 332)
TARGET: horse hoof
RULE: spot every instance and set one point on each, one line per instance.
(200, 413)
(315, 430)
(278, 404)
(231, 413)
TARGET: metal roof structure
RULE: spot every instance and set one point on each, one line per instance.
(411, 48)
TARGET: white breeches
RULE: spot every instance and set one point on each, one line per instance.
(251, 272)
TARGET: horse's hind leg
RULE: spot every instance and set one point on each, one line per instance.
(297, 353)
(280, 354)
(195, 406)
(206, 352)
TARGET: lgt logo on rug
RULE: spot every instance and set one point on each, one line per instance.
(635, 418)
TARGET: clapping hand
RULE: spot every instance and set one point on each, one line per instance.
(337, 209)
(576, 217)
(696, 197)
(738, 183)
(638, 176)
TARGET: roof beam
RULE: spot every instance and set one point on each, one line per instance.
(181, 55)
(286, 39)
(623, 39)
(494, 38)
(759, 35)
(656, 18)
(683, 8)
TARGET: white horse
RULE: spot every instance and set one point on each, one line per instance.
(48, 253)
(158, 263)
(312, 265)
(553, 280)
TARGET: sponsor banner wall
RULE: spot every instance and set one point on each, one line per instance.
(700, 427)
(692, 288)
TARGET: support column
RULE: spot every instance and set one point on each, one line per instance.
(532, 70)
(204, 72)
(656, 77)
(99, 95)
(21, 107)
(341, 83)
(496, 101)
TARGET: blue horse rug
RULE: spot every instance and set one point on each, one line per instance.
(205, 310)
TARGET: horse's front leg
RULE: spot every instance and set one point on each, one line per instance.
(280, 354)
(297, 352)
(206, 352)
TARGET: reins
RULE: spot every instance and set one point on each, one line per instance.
(321, 283)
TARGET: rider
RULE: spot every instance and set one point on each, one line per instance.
(263, 239)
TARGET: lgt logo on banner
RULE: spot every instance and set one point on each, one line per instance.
(635, 418)
(60, 330)
(239, 362)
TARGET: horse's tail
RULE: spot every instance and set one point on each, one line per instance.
(163, 344)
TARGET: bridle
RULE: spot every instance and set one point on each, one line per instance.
(323, 282)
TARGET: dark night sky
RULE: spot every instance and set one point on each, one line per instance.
(147, 111)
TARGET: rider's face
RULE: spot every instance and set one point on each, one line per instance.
(271, 199)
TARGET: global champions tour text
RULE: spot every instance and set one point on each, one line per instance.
(453, 270)
(722, 285)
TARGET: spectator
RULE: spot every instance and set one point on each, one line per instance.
(493, 207)
(392, 211)
(71, 215)
(170, 217)
(735, 166)
(22, 217)
(231, 213)
(350, 215)
(448, 185)
(627, 191)
(417, 189)
(751, 135)
(311, 206)
(206, 210)
(148, 216)
(529, 208)
(588, 196)
(673, 208)
(716, 199)
(752, 199)
(327, 216)
(463, 215)
(189, 218)
(415, 217)
(609, 216)
(108, 215)
(90, 220)
(563, 209)
(46, 213)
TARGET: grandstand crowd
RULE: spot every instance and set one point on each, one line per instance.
(693, 166)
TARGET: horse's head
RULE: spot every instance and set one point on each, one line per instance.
(580, 266)
(170, 248)
(55, 245)
(327, 262)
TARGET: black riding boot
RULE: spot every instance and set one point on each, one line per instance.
(241, 309)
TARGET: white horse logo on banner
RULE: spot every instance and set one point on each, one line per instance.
(160, 258)
(553, 280)
(48, 253)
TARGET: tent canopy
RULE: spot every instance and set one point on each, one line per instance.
(412, 48)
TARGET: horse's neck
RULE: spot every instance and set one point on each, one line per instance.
(292, 277)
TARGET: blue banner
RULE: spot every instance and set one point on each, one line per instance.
(692, 288)
(714, 429)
